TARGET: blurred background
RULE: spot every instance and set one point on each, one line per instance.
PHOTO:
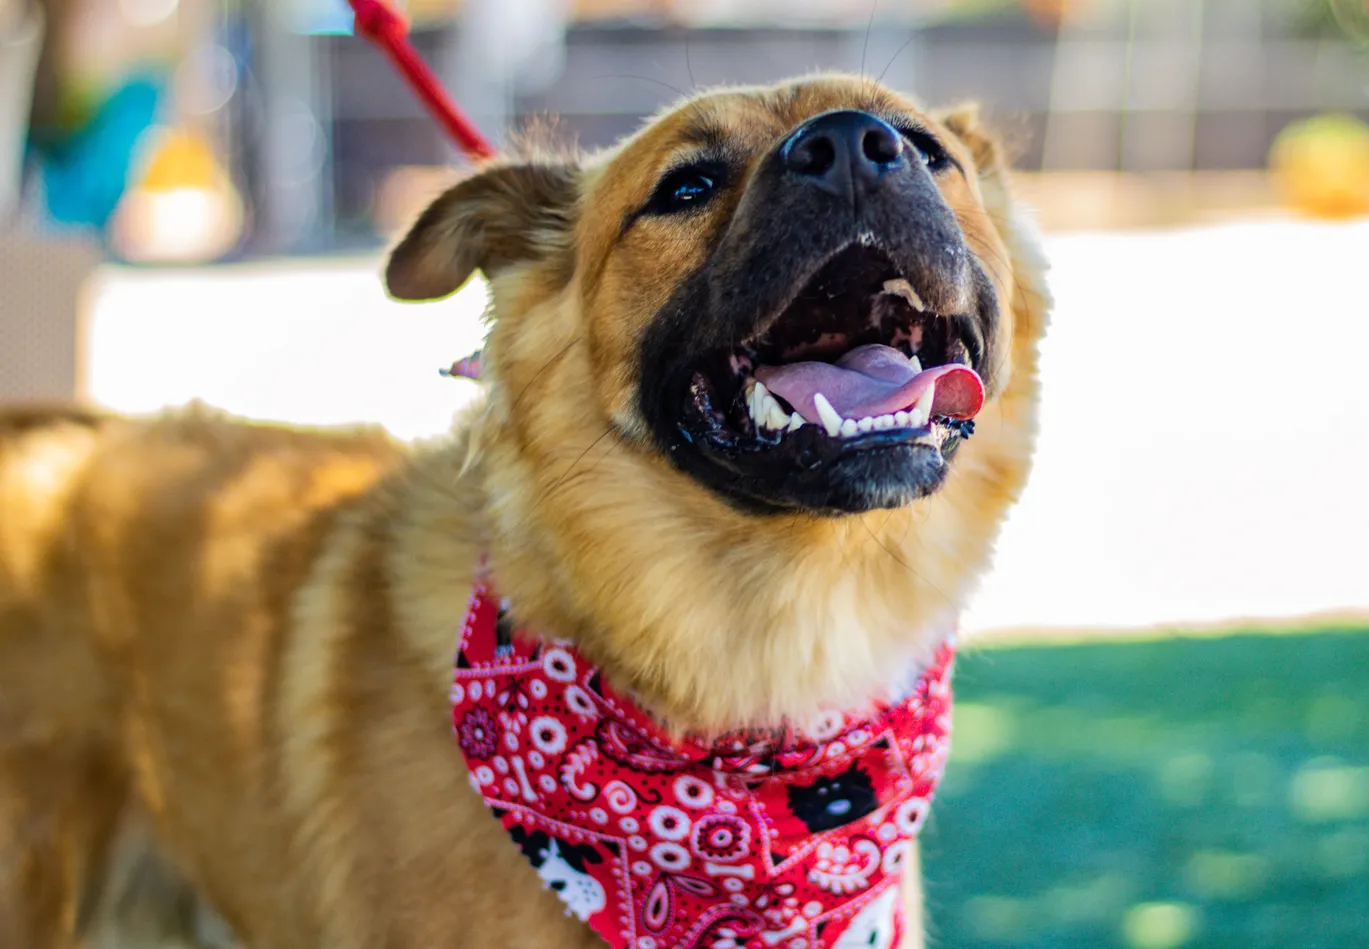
(1164, 739)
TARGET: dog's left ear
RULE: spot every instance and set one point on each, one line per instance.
(965, 122)
(508, 213)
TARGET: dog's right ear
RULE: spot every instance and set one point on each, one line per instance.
(505, 214)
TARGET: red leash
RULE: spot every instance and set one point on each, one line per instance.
(378, 22)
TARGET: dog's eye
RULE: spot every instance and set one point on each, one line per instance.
(684, 189)
(933, 155)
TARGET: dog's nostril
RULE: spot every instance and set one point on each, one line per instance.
(882, 146)
(814, 155)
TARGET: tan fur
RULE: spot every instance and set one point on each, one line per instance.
(237, 639)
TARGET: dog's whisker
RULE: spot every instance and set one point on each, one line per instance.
(865, 45)
(907, 566)
(537, 376)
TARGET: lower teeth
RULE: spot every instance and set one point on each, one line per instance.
(766, 413)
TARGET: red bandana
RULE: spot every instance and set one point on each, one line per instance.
(791, 841)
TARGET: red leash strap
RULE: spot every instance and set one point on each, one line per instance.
(378, 22)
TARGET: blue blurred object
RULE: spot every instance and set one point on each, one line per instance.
(85, 175)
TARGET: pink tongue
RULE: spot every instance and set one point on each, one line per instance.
(874, 380)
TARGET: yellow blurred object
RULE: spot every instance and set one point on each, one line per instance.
(180, 159)
(183, 207)
(1321, 166)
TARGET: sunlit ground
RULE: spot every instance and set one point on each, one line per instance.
(1205, 441)
(1210, 793)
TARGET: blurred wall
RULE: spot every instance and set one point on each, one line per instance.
(1129, 85)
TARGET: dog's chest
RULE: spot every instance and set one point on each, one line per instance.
(792, 841)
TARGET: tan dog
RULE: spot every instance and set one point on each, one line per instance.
(225, 650)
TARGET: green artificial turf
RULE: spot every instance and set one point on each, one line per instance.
(1186, 792)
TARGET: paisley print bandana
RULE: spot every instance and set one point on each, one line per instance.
(774, 840)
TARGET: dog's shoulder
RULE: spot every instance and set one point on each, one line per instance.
(140, 495)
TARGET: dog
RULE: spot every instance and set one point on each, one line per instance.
(701, 463)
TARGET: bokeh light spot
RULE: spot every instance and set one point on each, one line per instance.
(1160, 925)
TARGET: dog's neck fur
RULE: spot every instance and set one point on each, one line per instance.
(720, 622)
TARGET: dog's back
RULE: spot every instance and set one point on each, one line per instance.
(49, 683)
(132, 553)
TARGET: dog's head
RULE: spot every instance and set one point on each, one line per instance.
(791, 294)
(755, 334)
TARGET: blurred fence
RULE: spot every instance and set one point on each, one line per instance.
(1119, 86)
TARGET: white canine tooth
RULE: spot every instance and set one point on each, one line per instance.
(916, 364)
(796, 422)
(758, 396)
(884, 421)
(923, 409)
(849, 428)
(901, 418)
(775, 417)
(866, 424)
(828, 415)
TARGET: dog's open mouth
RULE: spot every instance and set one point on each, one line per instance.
(857, 360)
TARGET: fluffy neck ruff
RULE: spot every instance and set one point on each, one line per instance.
(718, 620)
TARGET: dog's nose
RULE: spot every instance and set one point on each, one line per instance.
(839, 151)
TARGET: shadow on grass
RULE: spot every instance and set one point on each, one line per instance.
(1208, 792)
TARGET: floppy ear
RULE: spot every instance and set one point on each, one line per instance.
(505, 214)
(965, 122)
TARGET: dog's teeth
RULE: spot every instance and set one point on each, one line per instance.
(849, 428)
(916, 363)
(759, 394)
(830, 419)
(865, 424)
(796, 422)
(884, 422)
(775, 417)
(901, 419)
(761, 402)
(922, 412)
